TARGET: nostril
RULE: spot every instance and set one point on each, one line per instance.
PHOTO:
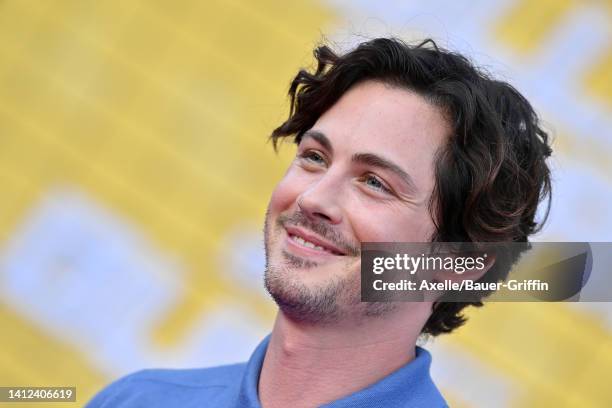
(321, 215)
(319, 208)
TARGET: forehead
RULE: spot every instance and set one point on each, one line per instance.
(373, 117)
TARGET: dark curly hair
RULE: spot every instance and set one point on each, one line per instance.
(490, 176)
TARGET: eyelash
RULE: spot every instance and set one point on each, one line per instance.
(383, 188)
(310, 155)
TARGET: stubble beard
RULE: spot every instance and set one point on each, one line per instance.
(338, 298)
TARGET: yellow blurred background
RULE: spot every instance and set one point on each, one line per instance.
(135, 172)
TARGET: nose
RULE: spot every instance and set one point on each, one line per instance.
(320, 202)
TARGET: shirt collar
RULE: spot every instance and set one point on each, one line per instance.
(409, 386)
(248, 396)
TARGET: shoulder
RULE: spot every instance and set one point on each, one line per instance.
(194, 377)
(168, 387)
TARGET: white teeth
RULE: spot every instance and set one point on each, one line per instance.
(308, 244)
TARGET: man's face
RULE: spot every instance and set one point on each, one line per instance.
(363, 173)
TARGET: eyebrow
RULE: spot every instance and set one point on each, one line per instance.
(369, 159)
(374, 160)
(319, 137)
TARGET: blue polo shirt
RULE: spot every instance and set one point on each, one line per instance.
(236, 386)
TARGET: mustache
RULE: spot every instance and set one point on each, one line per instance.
(299, 219)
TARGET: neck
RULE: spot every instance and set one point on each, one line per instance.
(308, 364)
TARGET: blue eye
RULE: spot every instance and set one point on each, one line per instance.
(374, 183)
(312, 156)
(315, 158)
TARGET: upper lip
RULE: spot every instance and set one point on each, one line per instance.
(309, 236)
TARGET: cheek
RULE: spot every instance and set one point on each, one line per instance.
(286, 192)
(392, 224)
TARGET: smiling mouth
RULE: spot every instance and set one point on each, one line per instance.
(307, 244)
(310, 245)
